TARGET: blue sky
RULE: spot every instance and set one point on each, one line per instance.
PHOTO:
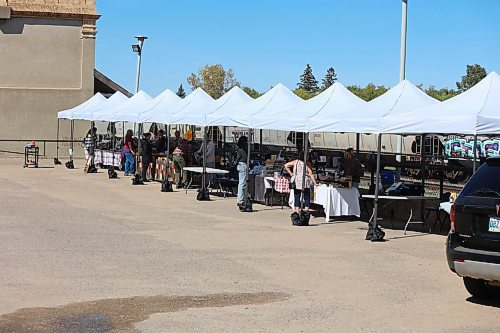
(271, 41)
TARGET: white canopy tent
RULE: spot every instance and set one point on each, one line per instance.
(198, 114)
(475, 111)
(367, 118)
(95, 101)
(161, 113)
(112, 113)
(322, 108)
(88, 114)
(402, 98)
(141, 111)
(276, 99)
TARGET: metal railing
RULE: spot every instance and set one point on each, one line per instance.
(43, 141)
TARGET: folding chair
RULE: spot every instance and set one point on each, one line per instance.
(437, 210)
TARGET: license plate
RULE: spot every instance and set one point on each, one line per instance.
(494, 225)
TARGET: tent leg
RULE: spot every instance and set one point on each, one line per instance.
(139, 148)
(377, 181)
(260, 144)
(92, 141)
(422, 174)
(306, 147)
(113, 144)
(204, 143)
(72, 130)
(249, 148)
(57, 143)
(357, 144)
(474, 149)
(224, 143)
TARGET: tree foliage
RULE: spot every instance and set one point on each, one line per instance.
(302, 93)
(251, 92)
(214, 79)
(180, 92)
(473, 75)
(369, 92)
(329, 78)
(440, 94)
(307, 81)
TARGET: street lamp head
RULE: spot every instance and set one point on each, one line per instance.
(141, 38)
(136, 48)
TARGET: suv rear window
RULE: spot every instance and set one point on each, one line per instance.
(485, 182)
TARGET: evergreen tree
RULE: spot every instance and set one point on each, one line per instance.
(473, 75)
(180, 92)
(329, 78)
(307, 81)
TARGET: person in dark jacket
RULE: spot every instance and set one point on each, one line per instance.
(161, 142)
(146, 154)
(352, 167)
(242, 167)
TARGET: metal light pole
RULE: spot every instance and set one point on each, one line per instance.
(138, 49)
(402, 73)
(399, 147)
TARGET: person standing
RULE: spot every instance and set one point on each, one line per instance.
(146, 154)
(159, 148)
(128, 151)
(88, 142)
(242, 167)
(175, 141)
(300, 186)
(180, 163)
(209, 156)
(352, 167)
(161, 142)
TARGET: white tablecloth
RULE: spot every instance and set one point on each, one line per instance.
(445, 206)
(105, 157)
(269, 182)
(335, 201)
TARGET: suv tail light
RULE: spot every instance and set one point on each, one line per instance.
(453, 215)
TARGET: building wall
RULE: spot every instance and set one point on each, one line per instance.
(47, 58)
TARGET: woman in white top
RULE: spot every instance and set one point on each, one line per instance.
(297, 177)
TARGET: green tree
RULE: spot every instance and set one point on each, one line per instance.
(329, 78)
(473, 75)
(307, 81)
(369, 92)
(302, 93)
(251, 92)
(214, 79)
(180, 92)
(440, 94)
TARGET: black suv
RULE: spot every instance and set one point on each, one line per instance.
(473, 246)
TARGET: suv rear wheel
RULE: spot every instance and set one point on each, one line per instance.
(478, 288)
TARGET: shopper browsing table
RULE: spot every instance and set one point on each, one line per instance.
(297, 179)
(352, 167)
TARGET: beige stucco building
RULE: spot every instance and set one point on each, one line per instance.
(47, 51)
